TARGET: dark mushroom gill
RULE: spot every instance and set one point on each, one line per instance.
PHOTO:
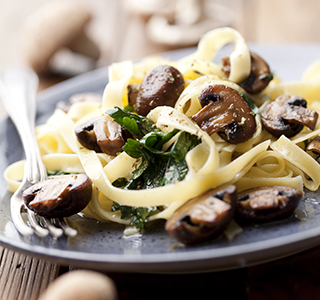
(225, 112)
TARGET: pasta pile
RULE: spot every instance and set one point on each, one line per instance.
(263, 160)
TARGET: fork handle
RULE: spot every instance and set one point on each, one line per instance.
(18, 88)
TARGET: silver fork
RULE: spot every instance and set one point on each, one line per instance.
(18, 89)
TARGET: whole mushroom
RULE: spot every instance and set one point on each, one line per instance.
(161, 86)
(225, 112)
(287, 115)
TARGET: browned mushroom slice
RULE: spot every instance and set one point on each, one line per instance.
(203, 217)
(287, 115)
(267, 204)
(225, 112)
(101, 134)
(314, 146)
(259, 77)
(162, 85)
(59, 197)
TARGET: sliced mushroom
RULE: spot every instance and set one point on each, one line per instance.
(259, 77)
(266, 204)
(58, 197)
(314, 146)
(225, 112)
(287, 115)
(203, 217)
(162, 85)
(101, 134)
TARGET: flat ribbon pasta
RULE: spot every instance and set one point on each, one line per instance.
(309, 168)
(213, 41)
(263, 160)
(305, 89)
(119, 77)
(194, 184)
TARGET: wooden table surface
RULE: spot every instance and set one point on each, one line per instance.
(121, 35)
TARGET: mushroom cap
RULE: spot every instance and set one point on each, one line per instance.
(50, 28)
(287, 115)
(101, 134)
(203, 217)
(162, 85)
(225, 112)
(266, 204)
(61, 196)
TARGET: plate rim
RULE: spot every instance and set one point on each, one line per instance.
(164, 261)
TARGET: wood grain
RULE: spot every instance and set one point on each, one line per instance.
(23, 277)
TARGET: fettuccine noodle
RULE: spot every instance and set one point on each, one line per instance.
(261, 161)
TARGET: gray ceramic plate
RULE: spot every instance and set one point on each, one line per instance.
(102, 245)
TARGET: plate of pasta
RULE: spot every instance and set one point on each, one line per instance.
(200, 159)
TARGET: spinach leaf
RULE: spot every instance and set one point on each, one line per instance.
(157, 167)
(56, 173)
(252, 105)
(137, 215)
(137, 125)
(266, 76)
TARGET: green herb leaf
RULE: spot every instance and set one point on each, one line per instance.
(155, 140)
(157, 167)
(137, 125)
(266, 76)
(137, 215)
(129, 108)
(120, 182)
(56, 173)
(252, 105)
(133, 148)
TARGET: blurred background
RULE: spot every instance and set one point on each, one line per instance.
(60, 39)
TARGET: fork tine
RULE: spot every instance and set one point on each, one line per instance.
(54, 231)
(18, 89)
(68, 231)
(39, 231)
(21, 226)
